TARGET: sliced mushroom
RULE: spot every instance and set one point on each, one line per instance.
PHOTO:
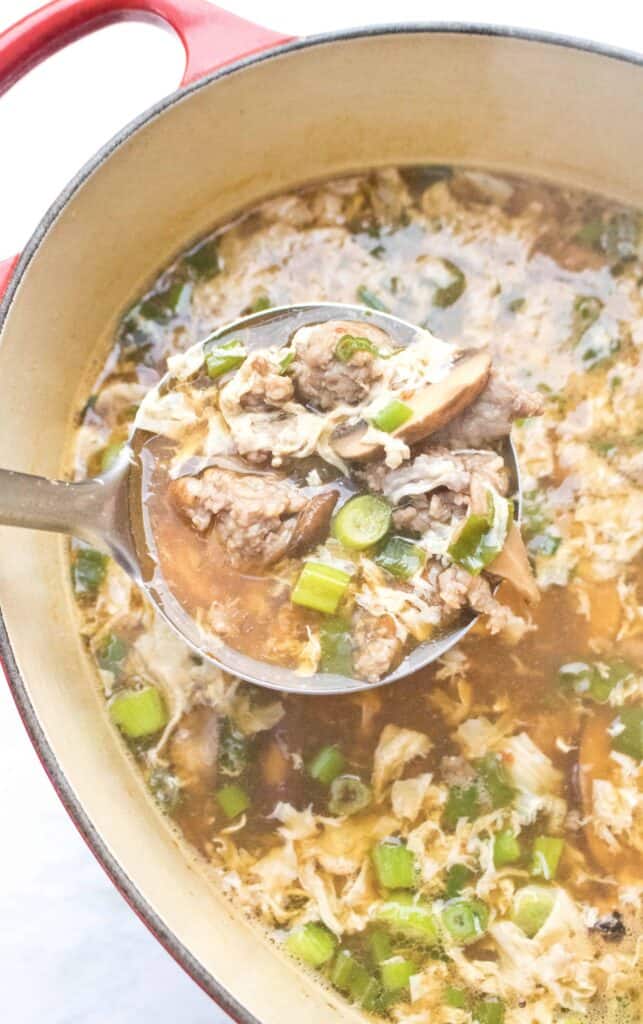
(433, 407)
(512, 564)
(313, 523)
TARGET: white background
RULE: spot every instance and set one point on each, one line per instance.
(70, 950)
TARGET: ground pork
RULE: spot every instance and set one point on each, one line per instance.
(458, 588)
(266, 388)
(422, 513)
(321, 379)
(254, 516)
(376, 646)
(490, 417)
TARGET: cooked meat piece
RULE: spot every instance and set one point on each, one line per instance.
(458, 589)
(254, 515)
(376, 646)
(422, 513)
(265, 387)
(321, 379)
(491, 415)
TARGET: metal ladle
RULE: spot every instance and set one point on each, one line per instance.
(103, 510)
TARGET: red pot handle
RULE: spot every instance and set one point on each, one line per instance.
(211, 38)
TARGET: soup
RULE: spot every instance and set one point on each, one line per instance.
(465, 845)
(331, 500)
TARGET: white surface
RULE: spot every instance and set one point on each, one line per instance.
(71, 952)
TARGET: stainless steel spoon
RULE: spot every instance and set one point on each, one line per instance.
(103, 510)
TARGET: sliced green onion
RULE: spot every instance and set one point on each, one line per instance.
(629, 740)
(400, 557)
(348, 795)
(530, 908)
(162, 306)
(111, 653)
(494, 780)
(364, 988)
(392, 415)
(394, 865)
(465, 920)
(458, 876)
(488, 1011)
(481, 538)
(88, 571)
(110, 455)
(287, 361)
(456, 997)
(379, 945)
(343, 970)
(320, 587)
(409, 917)
(348, 345)
(326, 765)
(449, 293)
(362, 522)
(545, 856)
(233, 800)
(336, 647)
(203, 259)
(395, 973)
(313, 943)
(258, 306)
(224, 358)
(462, 802)
(370, 299)
(506, 848)
(138, 713)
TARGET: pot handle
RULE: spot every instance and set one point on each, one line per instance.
(211, 38)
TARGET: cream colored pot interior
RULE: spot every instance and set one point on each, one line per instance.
(312, 112)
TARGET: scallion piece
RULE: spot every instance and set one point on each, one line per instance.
(394, 865)
(410, 918)
(629, 740)
(545, 856)
(370, 299)
(481, 538)
(259, 305)
(233, 800)
(391, 416)
(348, 795)
(450, 292)
(348, 345)
(313, 943)
(362, 521)
(138, 713)
(336, 647)
(401, 558)
(462, 802)
(320, 587)
(488, 1011)
(326, 765)
(456, 997)
(465, 920)
(458, 876)
(506, 848)
(88, 571)
(342, 971)
(494, 779)
(111, 653)
(395, 973)
(364, 988)
(379, 945)
(224, 358)
(531, 906)
(286, 362)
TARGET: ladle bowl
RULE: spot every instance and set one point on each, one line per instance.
(106, 511)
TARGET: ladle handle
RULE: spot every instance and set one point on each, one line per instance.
(93, 510)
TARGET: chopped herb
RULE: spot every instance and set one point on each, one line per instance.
(629, 737)
(224, 358)
(203, 259)
(400, 557)
(161, 307)
(458, 876)
(370, 299)
(494, 781)
(286, 362)
(462, 802)
(233, 800)
(88, 571)
(481, 538)
(259, 305)
(517, 305)
(447, 294)
(348, 345)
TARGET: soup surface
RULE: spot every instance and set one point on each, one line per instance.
(466, 845)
